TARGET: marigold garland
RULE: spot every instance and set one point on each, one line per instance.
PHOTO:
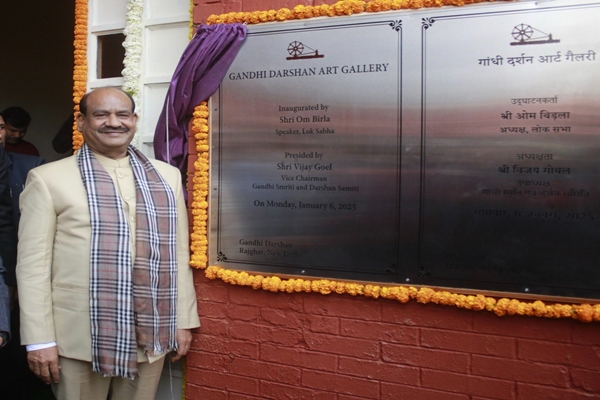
(343, 7)
(80, 63)
(403, 294)
(199, 204)
(191, 22)
(133, 55)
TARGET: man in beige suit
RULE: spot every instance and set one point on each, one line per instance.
(104, 282)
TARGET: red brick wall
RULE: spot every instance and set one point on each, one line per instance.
(262, 345)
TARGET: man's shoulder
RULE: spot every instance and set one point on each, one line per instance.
(161, 164)
(166, 170)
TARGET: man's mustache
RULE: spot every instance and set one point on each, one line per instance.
(113, 129)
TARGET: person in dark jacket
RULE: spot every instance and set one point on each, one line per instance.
(8, 242)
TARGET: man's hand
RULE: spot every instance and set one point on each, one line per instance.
(44, 363)
(184, 340)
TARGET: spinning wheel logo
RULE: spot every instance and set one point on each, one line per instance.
(526, 34)
(300, 51)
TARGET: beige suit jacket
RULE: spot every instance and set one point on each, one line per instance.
(54, 248)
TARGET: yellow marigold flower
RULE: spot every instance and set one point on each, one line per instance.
(372, 291)
(596, 315)
(243, 278)
(501, 305)
(412, 292)
(298, 285)
(414, 4)
(299, 11)
(550, 312)
(340, 288)
(563, 310)
(424, 295)
(373, 6)
(357, 7)
(584, 312)
(490, 303)
(257, 282)
(353, 289)
(462, 301)
(539, 308)
(263, 16)
(384, 292)
(322, 10)
(318, 286)
(271, 15)
(273, 283)
(288, 285)
(283, 14)
(445, 298)
(404, 295)
(253, 18)
(307, 286)
(529, 309)
(512, 307)
(479, 303)
(211, 272)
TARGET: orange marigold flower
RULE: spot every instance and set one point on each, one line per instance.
(512, 307)
(257, 282)
(424, 295)
(500, 308)
(584, 312)
(596, 316)
(284, 14)
(372, 291)
(539, 308)
(211, 272)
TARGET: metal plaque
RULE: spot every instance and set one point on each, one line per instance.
(453, 147)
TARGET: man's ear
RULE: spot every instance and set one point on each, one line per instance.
(80, 119)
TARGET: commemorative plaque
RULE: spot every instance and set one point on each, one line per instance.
(451, 147)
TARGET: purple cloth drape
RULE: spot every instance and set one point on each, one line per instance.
(199, 73)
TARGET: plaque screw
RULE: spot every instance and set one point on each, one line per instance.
(303, 272)
(526, 289)
(407, 279)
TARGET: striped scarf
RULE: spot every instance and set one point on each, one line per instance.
(132, 305)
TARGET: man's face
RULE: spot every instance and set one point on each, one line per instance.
(2, 132)
(14, 134)
(109, 125)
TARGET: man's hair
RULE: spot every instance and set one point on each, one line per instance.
(83, 101)
(16, 116)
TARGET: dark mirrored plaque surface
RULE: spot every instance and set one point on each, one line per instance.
(450, 147)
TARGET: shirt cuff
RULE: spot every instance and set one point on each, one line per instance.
(40, 346)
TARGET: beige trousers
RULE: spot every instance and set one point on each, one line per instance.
(78, 382)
